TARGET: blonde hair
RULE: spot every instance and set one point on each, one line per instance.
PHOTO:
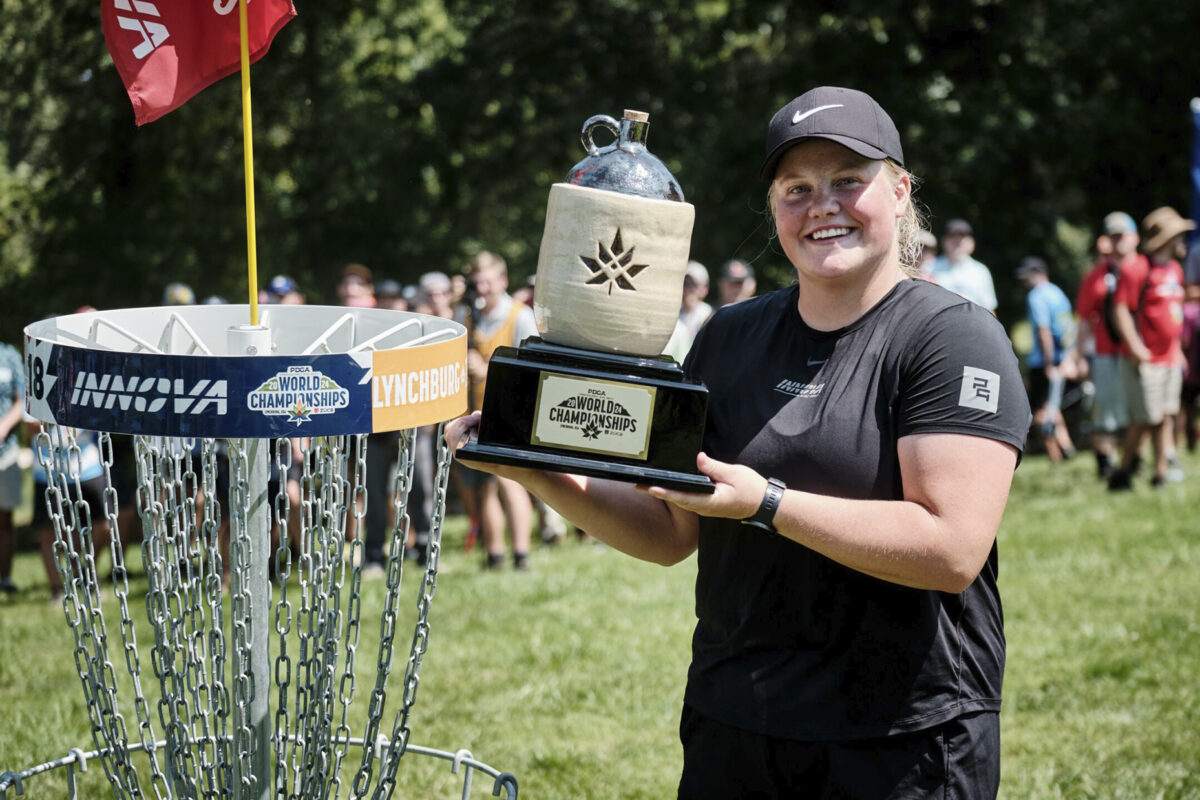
(908, 227)
(487, 261)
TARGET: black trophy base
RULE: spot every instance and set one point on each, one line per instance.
(604, 415)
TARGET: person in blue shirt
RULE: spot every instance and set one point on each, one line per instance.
(1053, 326)
(12, 391)
(958, 271)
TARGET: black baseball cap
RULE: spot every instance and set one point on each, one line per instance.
(389, 288)
(846, 116)
(1029, 265)
(735, 270)
(958, 227)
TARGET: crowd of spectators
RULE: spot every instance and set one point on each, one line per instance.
(1124, 358)
(1132, 355)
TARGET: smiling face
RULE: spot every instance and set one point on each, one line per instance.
(837, 212)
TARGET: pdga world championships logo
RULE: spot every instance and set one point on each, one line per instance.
(591, 413)
(299, 393)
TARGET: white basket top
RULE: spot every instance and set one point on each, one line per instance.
(204, 371)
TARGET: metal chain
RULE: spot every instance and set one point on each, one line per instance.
(420, 643)
(243, 635)
(165, 544)
(211, 715)
(387, 626)
(53, 448)
(359, 500)
(121, 589)
(216, 714)
(318, 639)
(205, 689)
(200, 764)
(48, 451)
(310, 512)
(147, 454)
(283, 608)
(332, 571)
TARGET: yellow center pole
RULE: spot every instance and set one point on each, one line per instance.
(248, 157)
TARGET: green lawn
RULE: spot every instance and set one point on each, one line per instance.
(571, 676)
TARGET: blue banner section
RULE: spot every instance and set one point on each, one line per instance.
(202, 396)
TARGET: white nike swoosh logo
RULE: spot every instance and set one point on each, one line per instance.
(798, 117)
(812, 362)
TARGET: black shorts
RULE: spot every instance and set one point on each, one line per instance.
(93, 495)
(1191, 393)
(957, 760)
(1039, 388)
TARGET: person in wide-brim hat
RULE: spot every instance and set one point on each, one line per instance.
(1161, 226)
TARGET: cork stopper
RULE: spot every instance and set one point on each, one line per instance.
(637, 116)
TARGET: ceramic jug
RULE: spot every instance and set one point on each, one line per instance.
(615, 246)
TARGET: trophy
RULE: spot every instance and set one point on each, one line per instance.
(593, 395)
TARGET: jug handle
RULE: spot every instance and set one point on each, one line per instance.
(600, 120)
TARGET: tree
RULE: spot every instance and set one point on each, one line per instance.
(409, 136)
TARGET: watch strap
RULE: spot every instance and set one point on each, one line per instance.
(764, 518)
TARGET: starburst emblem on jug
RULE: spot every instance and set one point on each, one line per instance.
(612, 265)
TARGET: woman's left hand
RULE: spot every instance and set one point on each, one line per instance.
(738, 494)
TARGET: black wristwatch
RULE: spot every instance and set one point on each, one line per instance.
(765, 516)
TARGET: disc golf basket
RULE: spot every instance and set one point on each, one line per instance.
(244, 688)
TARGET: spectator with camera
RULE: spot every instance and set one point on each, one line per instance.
(495, 319)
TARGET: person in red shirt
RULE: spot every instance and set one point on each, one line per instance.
(1149, 314)
(1117, 244)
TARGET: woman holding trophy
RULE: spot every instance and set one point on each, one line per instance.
(862, 431)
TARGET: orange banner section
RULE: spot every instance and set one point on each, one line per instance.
(416, 386)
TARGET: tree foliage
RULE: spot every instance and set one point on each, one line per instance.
(408, 135)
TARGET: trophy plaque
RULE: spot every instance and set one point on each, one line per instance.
(592, 395)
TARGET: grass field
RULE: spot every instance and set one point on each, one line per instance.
(571, 676)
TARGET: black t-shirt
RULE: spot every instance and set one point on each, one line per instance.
(790, 643)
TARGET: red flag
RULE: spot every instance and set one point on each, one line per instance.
(168, 50)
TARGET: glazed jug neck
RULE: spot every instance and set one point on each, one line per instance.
(635, 128)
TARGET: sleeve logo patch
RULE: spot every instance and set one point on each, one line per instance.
(980, 389)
